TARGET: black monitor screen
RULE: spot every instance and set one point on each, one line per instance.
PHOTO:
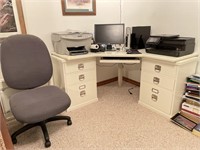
(109, 33)
(139, 36)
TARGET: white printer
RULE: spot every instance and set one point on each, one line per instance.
(71, 43)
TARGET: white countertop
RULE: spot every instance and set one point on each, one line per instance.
(123, 54)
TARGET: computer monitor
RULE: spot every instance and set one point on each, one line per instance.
(139, 36)
(109, 34)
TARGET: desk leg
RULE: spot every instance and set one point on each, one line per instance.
(120, 74)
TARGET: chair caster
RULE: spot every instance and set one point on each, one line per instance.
(69, 122)
(47, 144)
(14, 140)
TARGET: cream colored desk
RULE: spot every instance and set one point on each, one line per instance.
(113, 54)
(161, 87)
(162, 78)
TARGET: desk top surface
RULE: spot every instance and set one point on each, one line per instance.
(124, 54)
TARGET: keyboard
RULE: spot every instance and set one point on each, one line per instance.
(132, 51)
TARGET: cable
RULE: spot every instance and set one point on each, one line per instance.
(120, 13)
(129, 90)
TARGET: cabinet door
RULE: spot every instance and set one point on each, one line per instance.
(156, 97)
(158, 80)
(80, 77)
(80, 65)
(158, 67)
(82, 93)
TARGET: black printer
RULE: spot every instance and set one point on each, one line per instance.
(170, 45)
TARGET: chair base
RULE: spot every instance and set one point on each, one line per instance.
(42, 124)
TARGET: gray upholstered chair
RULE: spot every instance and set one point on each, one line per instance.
(26, 65)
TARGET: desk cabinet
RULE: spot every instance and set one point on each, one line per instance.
(77, 78)
(163, 83)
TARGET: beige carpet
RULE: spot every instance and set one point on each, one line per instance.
(115, 122)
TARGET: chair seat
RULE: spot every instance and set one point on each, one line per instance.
(39, 104)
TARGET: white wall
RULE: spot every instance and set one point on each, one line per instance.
(165, 17)
(42, 17)
(179, 17)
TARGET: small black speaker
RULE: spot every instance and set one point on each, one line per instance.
(128, 37)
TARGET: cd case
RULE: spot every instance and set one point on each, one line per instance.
(183, 122)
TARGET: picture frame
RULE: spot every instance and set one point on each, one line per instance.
(15, 23)
(183, 122)
(78, 7)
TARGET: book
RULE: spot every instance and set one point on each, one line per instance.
(196, 130)
(189, 95)
(196, 75)
(190, 116)
(194, 78)
(191, 108)
(193, 92)
(192, 85)
(183, 122)
(191, 101)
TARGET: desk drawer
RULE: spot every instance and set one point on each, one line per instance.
(82, 93)
(158, 80)
(81, 77)
(159, 68)
(156, 97)
(80, 65)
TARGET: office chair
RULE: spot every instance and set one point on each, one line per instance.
(26, 65)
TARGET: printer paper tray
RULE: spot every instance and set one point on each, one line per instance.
(78, 53)
(173, 53)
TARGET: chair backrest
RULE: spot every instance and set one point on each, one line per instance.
(25, 62)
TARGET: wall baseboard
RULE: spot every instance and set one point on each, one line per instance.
(107, 81)
(115, 79)
(131, 81)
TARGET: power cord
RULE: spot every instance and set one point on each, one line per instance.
(129, 90)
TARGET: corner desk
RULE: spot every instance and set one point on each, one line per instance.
(162, 81)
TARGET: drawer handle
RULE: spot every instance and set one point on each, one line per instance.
(80, 66)
(157, 68)
(81, 77)
(155, 90)
(156, 80)
(154, 97)
(82, 93)
(82, 87)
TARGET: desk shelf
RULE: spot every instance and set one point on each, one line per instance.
(119, 61)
